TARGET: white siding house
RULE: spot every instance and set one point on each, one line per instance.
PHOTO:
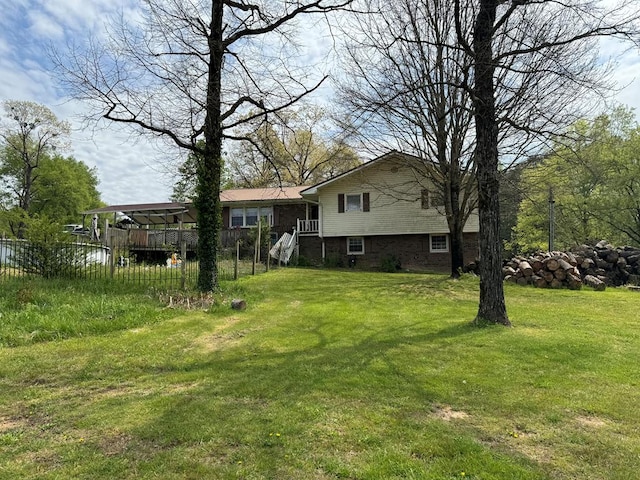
(382, 208)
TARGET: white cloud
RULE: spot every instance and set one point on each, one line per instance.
(42, 25)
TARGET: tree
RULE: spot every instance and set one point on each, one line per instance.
(404, 86)
(593, 175)
(65, 187)
(508, 40)
(191, 71)
(296, 147)
(30, 133)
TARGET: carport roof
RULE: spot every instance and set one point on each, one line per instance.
(152, 213)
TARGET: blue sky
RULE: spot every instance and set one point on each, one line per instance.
(130, 170)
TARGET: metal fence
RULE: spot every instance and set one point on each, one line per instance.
(161, 267)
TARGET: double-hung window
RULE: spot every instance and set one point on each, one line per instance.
(355, 246)
(237, 217)
(439, 243)
(431, 199)
(359, 202)
(354, 203)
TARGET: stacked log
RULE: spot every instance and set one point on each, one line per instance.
(596, 265)
(545, 270)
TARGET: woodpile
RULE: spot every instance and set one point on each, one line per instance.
(593, 265)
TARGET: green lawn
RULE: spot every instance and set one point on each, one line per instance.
(326, 375)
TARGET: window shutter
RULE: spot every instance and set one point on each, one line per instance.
(365, 202)
(341, 203)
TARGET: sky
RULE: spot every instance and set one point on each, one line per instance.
(130, 170)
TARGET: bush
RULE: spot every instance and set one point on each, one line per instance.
(47, 250)
(334, 261)
(302, 261)
(390, 264)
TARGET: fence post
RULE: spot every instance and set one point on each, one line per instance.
(255, 256)
(237, 260)
(183, 265)
(268, 255)
(112, 257)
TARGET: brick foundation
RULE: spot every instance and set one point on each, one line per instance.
(411, 250)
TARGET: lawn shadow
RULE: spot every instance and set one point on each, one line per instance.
(246, 394)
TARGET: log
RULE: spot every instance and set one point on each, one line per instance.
(508, 270)
(522, 281)
(551, 264)
(555, 283)
(525, 268)
(612, 256)
(564, 265)
(548, 276)
(536, 264)
(560, 274)
(538, 281)
(587, 263)
(574, 282)
(595, 283)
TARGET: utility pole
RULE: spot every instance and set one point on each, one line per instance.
(552, 219)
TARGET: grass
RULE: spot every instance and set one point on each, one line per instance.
(326, 375)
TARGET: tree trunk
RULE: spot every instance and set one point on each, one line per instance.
(492, 307)
(457, 249)
(209, 168)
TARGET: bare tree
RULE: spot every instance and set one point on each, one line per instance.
(435, 77)
(192, 70)
(297, 146)
(30, 133)
(405, 87)
(510, 39)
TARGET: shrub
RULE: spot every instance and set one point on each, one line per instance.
(47, 250)
(334, 261)
(390, 264)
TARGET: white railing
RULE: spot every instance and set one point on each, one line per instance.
(308, 226)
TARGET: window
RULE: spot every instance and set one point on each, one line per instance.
(237, 217)
(251, 217)
(248, 216)
(439, 243)
(354, 203)
(266, 215)
(355, 246)
(431, 199)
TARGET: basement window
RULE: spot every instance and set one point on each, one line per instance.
(355, 246)
(439, 244)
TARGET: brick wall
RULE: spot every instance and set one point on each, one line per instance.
(411, 250)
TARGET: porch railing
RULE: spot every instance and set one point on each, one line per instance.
(308, 226)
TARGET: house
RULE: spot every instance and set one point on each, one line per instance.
(377, 210)
(281, 207)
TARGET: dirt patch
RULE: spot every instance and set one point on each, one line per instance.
(7, 424)
(114, 444)
(447, 414)
(593, 422)
(219, 338)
